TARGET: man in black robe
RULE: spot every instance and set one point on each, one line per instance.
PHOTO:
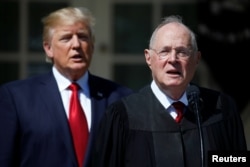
(140, 130)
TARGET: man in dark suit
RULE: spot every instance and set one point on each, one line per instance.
(34, 113)
(145, 129)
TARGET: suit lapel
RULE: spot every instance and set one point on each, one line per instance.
(50, 94)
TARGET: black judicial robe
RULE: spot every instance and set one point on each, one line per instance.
(138, 132)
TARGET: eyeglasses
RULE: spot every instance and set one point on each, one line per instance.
(180, 53)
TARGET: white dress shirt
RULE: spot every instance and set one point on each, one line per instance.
(167, 101)
(63, 84)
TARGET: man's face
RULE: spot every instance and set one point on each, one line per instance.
(177, 68)
(71, 48)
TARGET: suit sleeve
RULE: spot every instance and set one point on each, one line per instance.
(8, 128)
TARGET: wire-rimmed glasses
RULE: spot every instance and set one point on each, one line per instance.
(180, 52)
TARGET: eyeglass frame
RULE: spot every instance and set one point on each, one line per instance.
(166, 52)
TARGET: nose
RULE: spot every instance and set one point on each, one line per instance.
(75, 41)
(172, 55)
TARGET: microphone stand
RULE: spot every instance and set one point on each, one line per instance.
(194, 99)
(198, 116)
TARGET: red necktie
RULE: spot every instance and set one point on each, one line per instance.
(78, 124)
(179, 107)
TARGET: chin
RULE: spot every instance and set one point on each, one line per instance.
(79, 66)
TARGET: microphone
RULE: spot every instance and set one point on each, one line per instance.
(194, 100)
(193, 94)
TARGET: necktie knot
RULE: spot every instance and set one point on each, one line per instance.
(74, 87)
(179, 107)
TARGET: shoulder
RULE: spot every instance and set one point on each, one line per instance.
(141, 95)
(205, 93)
(215, 95)
(132, 100)
(217, 101)
(28, 83)
(94, 79)
(106, 85)
(140, 102)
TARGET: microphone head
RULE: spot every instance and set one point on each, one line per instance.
(192, 89)
(193, 96)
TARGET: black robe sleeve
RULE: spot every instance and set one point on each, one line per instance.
(109, 148)
(225, 131)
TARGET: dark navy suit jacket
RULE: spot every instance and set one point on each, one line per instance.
(34, 130)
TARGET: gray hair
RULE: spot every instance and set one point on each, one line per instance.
(174, 19)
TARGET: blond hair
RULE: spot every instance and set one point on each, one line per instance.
(68, 15)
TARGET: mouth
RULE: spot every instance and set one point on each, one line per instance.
(173, 72)
(76, 57)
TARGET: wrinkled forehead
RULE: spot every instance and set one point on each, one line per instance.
(173, 34)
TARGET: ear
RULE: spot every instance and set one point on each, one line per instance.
(147, 57)
(48, 49)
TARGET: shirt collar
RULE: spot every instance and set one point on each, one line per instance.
(165, 100)
(63, 82)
